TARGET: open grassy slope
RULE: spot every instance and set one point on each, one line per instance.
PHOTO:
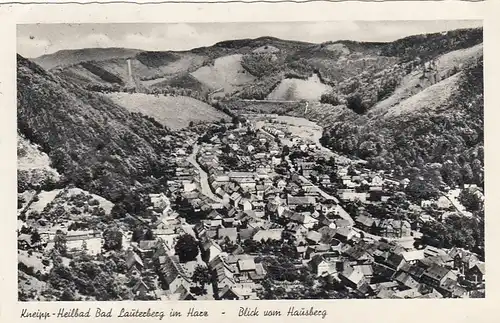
(171, 111)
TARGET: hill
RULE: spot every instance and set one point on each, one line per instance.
(96, 144)
(64, 58)
(174, 112)
(371, 94)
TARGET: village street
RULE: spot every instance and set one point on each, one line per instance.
(205, 187)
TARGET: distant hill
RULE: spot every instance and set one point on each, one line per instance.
(95, 143)
(64, 58)
(366, 95)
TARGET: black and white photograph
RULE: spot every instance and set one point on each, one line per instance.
(250, 161)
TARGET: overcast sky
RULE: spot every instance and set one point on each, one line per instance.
(40, 39)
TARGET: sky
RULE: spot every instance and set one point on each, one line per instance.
(39, 39)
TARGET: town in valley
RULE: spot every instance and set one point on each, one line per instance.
(267, 200)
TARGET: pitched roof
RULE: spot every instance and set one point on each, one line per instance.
(394, 260)
(171, 269)
(314, 236)
(246, 264)
(413, 255)
(436, 272)
(300, 200)
(231, 233)
(271, 234)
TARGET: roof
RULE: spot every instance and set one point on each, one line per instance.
(436, 272)
(413, 255)
(231, 233)
(246, 264)
(481, 267)
(271, 234)
(147, 244)
(367, 220)
(133, 258)
(344, 232)
(394, 260)
(171, 269)
(406, 279)
(353, 274)
(246, 233)
(300, 200)
(314, 236)
(366, 269)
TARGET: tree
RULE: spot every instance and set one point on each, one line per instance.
(149, 235)
(201, 276)
(186, 248)
(471, 200)
(60, 242)
(138, 235)
(35, 237)
(112, 239)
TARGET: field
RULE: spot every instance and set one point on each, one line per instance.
(297, 89)
(173, 112)
(226, 73)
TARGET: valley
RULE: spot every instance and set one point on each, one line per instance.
(253, 169)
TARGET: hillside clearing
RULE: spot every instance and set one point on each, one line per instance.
(429, 99)
(226, 73)
(174, 112)
(297, 89)
(415, 82)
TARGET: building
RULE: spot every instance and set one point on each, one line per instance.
(435, 275)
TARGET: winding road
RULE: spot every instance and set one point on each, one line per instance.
(205, 186)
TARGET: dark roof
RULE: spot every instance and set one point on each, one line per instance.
(436, 272)
(394, 260)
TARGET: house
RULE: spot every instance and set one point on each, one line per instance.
(228, 233)
(450, 288)
(134, 262)
(246, 265)
(141, 290)
(435, 275)
(366, 269)
(259, 191)
(430, 251)
(294, 201)
(265, 235)
(211, 249)
(351, 195)
(344, 233)
(405, 280)
(235, 198)
(88, 240)
(245, 204)
(368, 224)
(359, 253)
(411, 257)
(159, 201)
(443, 202)
(237, 293)
(313, 237)
(173, 274)
(223, 274)
(395, 261)
(323, 266)
(182, 294)
(476, 273)
(352, 277)
(259, 274)
(395, 228)
(377, 181)
(463, 260)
